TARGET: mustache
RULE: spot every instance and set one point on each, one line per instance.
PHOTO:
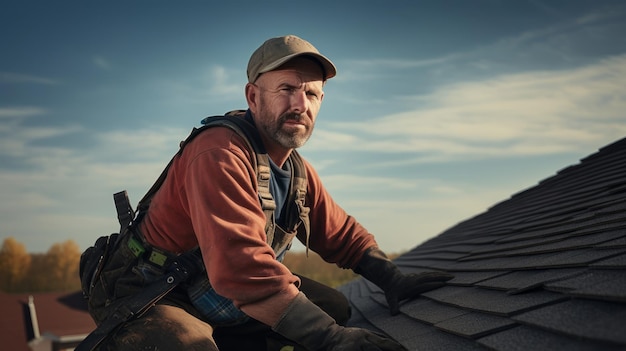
(292, 116)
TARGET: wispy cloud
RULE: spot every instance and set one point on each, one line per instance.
(19, 141)
(101, 62)
(222, 82)
(146, 144)
(517, 114)
(13, 78)
(20, 112)
(564, 44)
(399, 64)
(212, 84)
(65, 189)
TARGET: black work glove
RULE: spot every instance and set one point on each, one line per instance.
(308, 325)
(397, 286)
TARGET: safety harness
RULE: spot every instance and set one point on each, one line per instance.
(179, 268)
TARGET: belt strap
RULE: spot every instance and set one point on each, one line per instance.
(182, 267)
(125, 213)
(138, 246)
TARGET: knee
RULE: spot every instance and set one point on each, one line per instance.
(339, 308)
(164, 328)
(332, 301)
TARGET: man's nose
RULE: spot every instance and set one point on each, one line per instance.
(299, 101)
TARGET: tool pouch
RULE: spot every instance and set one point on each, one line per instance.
(92, 261)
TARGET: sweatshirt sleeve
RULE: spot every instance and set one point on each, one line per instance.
(336, 236)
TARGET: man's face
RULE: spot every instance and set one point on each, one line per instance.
(288, 100)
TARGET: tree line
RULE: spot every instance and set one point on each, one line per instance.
(57, 269)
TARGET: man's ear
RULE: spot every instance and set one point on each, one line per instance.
(252, 96)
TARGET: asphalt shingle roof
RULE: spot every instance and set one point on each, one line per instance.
(542, 270)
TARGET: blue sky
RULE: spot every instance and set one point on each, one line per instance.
(440, 109)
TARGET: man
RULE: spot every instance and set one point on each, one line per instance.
(210, 199)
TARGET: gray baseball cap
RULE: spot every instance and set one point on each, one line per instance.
(276, 51)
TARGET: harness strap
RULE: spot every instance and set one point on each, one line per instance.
(125, 213)
(234, 121)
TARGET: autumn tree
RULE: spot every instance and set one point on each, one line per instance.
(62, 262)
(37, 278)
(14, 263)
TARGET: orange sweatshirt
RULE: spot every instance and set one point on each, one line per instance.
(209, 199)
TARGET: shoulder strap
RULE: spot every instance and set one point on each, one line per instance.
(299, 211)
(235, 121)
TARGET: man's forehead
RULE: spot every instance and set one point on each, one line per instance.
(291, 78)
(306, 67)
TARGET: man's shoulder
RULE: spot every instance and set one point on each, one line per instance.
(215, 138)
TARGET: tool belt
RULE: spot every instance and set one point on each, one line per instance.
(122, 276)
(130, 281)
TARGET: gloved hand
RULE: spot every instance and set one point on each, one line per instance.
(308, 325)
(377, 268)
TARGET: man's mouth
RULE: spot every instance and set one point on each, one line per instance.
(295, 122)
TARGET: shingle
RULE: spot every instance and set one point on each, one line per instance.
(619, 242)
(358, 320)
(474, 325)
(439, 341)
(563, 259)
(436, 340)
(582, 257)
(595, 283)
(614, 290)
(595, 320)
(524, 338)
(517, 243)
(471, 278)
(446, 247)
(520, 281)
(492, 301)
(617, 262)
(560, 243)
(612, 198)
(439, 255)
(429, 311)
(399, 327)
(578, 257)
(433, 264)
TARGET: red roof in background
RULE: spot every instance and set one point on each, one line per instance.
(61, 314)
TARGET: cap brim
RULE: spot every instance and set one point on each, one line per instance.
(329, 68)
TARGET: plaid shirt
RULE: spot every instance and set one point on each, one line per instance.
(216, 309)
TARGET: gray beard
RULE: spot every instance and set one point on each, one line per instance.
(285, 139)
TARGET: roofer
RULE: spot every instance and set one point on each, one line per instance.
(212, 198)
